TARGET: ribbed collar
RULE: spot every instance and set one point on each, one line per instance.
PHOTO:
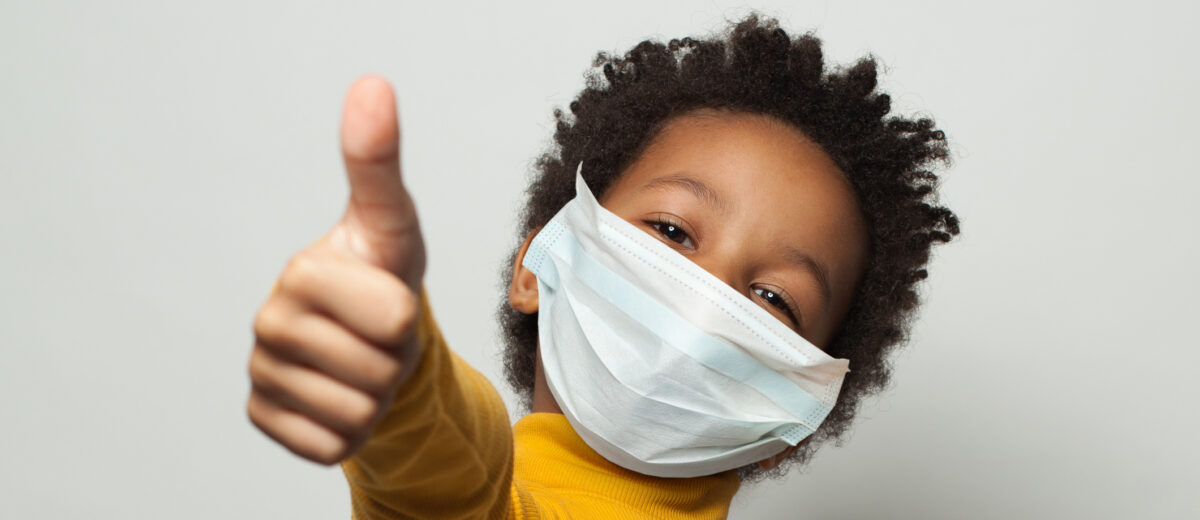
(551, 456)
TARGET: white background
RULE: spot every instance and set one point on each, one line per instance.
(159, 164)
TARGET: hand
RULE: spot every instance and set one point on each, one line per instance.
(337, 337)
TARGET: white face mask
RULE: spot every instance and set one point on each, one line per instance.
(660, 366)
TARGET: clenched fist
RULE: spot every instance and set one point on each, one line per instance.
(337, 337)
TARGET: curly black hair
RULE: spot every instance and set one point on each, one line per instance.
(757, 68)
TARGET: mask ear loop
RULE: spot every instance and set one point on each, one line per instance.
(579, 173)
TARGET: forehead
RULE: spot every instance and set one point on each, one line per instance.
(752, 160)
(777, 189)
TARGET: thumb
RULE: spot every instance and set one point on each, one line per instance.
(380, 223)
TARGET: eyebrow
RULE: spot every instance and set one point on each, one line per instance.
(699, 189)
(818, 271)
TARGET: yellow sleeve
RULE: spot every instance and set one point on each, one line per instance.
(445, 447)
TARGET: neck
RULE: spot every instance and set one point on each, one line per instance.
(543, 400)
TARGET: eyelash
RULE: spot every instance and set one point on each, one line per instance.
(665, 221)
(785, 306)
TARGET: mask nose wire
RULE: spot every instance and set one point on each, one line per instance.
(724, 264)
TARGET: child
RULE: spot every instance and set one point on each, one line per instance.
(713, 264)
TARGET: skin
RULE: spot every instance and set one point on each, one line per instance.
(776, 219)
(336, 338)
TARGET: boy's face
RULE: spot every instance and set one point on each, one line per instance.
(754, 202)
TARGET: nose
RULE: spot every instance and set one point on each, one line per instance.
(725, 266)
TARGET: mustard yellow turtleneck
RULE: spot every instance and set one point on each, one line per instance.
(445, 450)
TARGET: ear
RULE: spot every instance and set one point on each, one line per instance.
(773, 462)
(523, 292)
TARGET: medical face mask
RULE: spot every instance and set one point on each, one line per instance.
(660, 366)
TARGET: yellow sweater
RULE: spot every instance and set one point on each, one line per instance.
(445, 450)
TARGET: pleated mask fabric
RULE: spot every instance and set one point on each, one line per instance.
(660, 366)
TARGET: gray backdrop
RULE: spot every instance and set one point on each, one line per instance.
(159, 164)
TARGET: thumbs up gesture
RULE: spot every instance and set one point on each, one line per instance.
(337, 337)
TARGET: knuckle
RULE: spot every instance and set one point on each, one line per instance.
(253, 413)
(382, 375)
(259, 417)
(262, 374)
(270, 322)
(302, 271)
(358, 411)
(329, 453)
(402, 318)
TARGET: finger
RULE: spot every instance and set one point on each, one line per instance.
(317, 341)
(297, 433)
(329, 403)
(367, 300)
(371, 150)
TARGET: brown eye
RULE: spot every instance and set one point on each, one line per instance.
(673, 232)
(777, 300)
